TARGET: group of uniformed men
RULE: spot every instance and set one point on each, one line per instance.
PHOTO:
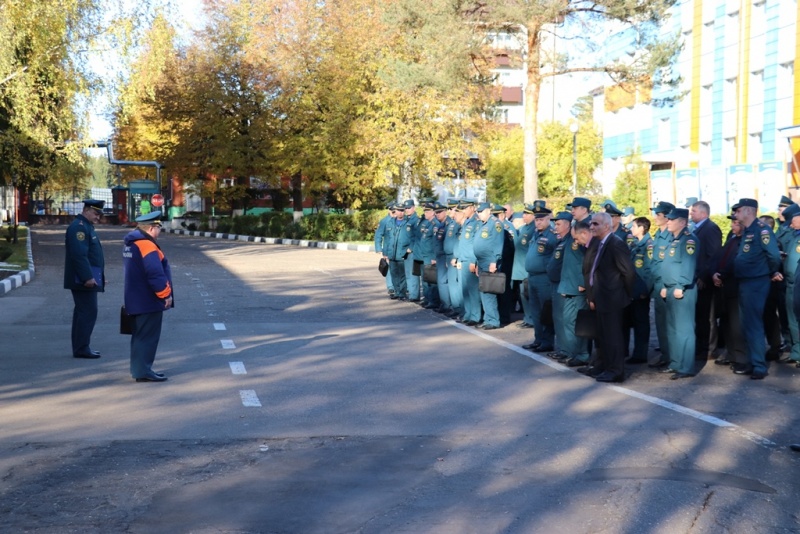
(733, 300)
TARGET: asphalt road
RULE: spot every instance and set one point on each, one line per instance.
(300, 399)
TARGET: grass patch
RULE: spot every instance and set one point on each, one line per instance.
(19, 251)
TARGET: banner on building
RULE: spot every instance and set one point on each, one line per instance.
(661, 187)
(712, 189)
(687, 185)
(771, 184)
(741, 182)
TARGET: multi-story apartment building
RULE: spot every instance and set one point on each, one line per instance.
(731, 134)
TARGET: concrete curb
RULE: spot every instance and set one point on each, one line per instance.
(276, 240)
(23, 277)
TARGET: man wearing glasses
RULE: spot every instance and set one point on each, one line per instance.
(83, 275)
(609, 287)
(148, 292)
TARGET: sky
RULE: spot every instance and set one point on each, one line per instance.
(189, 17)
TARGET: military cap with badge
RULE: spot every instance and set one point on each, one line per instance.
(153, 218)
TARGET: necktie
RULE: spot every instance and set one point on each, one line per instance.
(594, 265)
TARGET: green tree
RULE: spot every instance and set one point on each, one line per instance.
(503, 163)
(45, 78)
(632, 186)
(504, 169)
(448, 34)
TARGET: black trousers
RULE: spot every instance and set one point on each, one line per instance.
(702, 321)
(84, 316)
(610, 342)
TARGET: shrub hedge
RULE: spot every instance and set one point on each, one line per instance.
(359, 226)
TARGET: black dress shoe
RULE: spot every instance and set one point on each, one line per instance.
(574, 362)
(488, 327)
(542, 348)
(667, 370)
(722, 361)
(589, 370)
(87, 355)
(152, 377)
(608, 376)
(470, 323)
(523, 324)
(785, 358)
(742, 369)
(795, 447)
(758, 375)
(530, 346)
(677, 376)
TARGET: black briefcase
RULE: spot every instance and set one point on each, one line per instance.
(125, 322)
(546, 316)
(430, 274)
(416, 270)
(494, 283)
(586, 324)
(383, 266)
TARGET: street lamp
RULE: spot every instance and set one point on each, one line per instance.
(574, 129)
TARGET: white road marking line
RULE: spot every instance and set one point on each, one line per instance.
(519, 350)
(227, 344)
(237, 368)
(716, 421)
(219, 326)
(249, 398)
(755, 438)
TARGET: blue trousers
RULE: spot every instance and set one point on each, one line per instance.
(575, 346)
(472, 298)
(441, 282)
(389, 285)
(412, 282)
(454, 287)
(794, 328)
(752, 297)
(680, 330)
(540, 290)
(660, 308)
(640, 314)
(491, 314)
(526, 303)
(144, 342)
(558, 317)
(398, 271)
(84, 317)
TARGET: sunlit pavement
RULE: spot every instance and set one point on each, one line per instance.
(301, 399)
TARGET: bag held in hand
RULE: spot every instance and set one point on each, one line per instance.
(494, 283)
(430, 274)
(586, 324)
(125, 322)
(416, 270)
(383, 266)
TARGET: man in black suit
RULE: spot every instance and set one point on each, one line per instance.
(709, 238)
(609, 281)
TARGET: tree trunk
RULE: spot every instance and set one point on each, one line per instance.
(297, 195)
(531, 176)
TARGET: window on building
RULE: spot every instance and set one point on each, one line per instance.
(729, 151)
(754, 147)
(664, 134)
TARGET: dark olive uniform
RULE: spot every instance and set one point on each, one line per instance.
(678, 268)
(757, 260)
(83, 261)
